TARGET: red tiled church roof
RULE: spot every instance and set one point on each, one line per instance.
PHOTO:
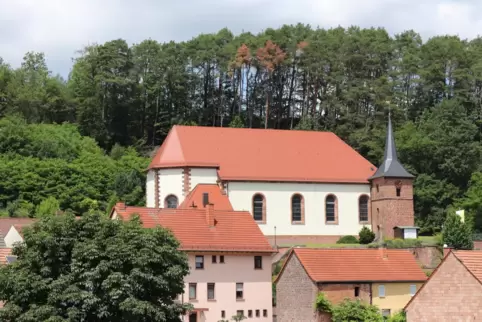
(216, 197)
(264, 155)
(350, 265)
(228, 231)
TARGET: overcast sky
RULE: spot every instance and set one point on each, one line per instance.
(60, 27)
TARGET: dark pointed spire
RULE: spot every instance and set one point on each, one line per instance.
(391, 167)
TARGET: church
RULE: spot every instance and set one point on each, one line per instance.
(299, 186)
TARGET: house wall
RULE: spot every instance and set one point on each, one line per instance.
(278, 206)
(236, 269)
(12, 237)
(451, 294)
(295, 294)
(150, 189)
(203, 175)
(336, 293)
(397, 295)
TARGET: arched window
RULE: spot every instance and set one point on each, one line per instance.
(259, 208)
(297, 209)
(331, 209)
(363, 208)
(170, 201)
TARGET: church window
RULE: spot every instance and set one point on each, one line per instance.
(170, 201)
(297, 209)
(363, 208)
(331, 209)
(259, 208)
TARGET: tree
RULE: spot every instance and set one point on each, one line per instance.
(94, 269)
(457, 234)
(366, 235)
(47, 207)
(356, 311)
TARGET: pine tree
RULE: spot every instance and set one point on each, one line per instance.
(457, 234)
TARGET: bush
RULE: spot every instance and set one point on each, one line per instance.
(366, 235)
(322, 304)
(347, 240)
(398, 317)
(356, 311)
(457, 234)
(403, 243)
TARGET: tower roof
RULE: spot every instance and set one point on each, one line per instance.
(391, 167)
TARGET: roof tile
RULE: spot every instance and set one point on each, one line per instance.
(268, 155)
(233, 231)
(219, 200)
(349, 265)
(472, 259)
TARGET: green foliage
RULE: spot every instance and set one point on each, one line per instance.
(322, 304)
(48, 207)
(457, 234)
(43, 162)
(237, 122)
(93, 269)
(403, 243)
(366, 235)
(398, 317)
(238, 317)
(347, 240)
(356, 311)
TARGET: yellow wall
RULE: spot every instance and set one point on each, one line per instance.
(396, 297)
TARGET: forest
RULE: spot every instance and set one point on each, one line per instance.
(81, 143)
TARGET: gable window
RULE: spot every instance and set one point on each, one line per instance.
(259, 208)
(413, 289)
(258, 262)
(331, 209)
(192, 291)
(363, 208)
(210, 291)
(199, 262)
(170, 201)
(297, 209)
(381, 290)
(239, 291)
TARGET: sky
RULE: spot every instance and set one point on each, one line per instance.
(59, 28)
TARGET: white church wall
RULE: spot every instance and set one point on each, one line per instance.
(170, 183)
(278, 206)
(150, 189)
(203, 176)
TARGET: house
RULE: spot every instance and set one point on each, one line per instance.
(229, 257)
(11, 230)
(387, 278)
(452, 293)
(297, 185)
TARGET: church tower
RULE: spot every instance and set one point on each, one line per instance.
(391, 192)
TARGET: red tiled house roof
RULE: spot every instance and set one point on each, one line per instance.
(359, 265)
(264, 155)
(216, 197)
(4, 252)
(203, 229)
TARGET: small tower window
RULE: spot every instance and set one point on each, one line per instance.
(378, 188)
(398, 187)
(398, 191)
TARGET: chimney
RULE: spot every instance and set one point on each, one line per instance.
(120, 205)
(447, 250)
(210, 215)
(205, 199)
(383, 252)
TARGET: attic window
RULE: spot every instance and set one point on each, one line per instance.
(171, 201)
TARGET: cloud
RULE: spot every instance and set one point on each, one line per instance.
(61, 27)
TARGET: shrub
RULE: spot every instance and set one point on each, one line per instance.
(322, 304)
(457, 234)
(398, 317)
(347, 240)
(356, 311)
(403, 243)
(366, 235)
